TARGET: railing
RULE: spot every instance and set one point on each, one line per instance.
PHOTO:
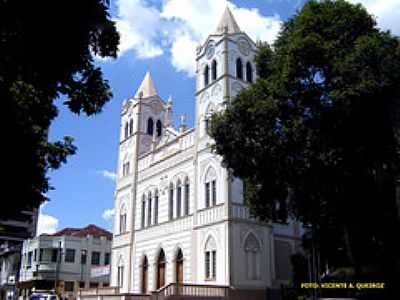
(210, 215)
(109, 293)
(193, 290)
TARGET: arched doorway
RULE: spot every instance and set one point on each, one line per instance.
(179, 267)
(161, 269)
(145, 268)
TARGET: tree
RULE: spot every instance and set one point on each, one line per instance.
(46, 54)
(317, 136)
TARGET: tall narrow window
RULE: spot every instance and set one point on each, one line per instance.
(249, 72)
(156, 207)
(150, 126)
(143, 210)
(159, 127)
(120, 272)
(207, 195)
(161, 269)
(131, 127)
(171, 202)
(210, 259)
(206, 75)
(210, 188)
(122, 220)
(187, 194)
(149, 210)
(214, 192)
(178, 199)
(214, 70)
(126, 130)
(145, 267)
(239, 68)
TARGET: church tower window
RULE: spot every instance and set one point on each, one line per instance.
(239, 68)
(214, 70)
(159, 127)
(206, 75)
(150, 126)
(249, 72)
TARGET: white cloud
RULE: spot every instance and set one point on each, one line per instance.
(107, 174)
(108, 214)
(180, 25)
(387, 13)
(46, 223)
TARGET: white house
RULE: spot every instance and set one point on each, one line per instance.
(69, 259)
(179, 215)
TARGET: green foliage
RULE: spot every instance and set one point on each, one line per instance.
(46, 53)
(317, 134)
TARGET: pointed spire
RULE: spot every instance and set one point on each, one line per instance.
(227, 21)
(146, 88)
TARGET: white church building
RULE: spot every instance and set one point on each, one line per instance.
(179, 214)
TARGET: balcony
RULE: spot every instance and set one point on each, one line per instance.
(211, 215)
(166, 228)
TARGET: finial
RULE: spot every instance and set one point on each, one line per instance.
(182, 126)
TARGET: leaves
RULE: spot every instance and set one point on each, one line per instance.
(317, 134)
(46, 53)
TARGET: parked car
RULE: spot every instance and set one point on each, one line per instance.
(43, 296)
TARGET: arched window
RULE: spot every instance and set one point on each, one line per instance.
(156, 207)
(179, 266)
(122, 219)
(214, 70)
(249, 72)
(159, 127)
(161, 269)
(150, 126)
(210, 188)
(149, 208)
(178, 198)
(126, 130)
(171, 202)
(130, 127)
(145, 276)
(210, 259)
(239, 68)
(253, 257)
(187, 195)
(120, 272)
(206, 75)
(143, 211)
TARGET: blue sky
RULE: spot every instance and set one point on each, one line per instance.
(160, 36)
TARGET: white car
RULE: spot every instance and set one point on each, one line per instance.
(43, 296)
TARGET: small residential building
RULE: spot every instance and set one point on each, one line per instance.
(67, 260)
(13, 231)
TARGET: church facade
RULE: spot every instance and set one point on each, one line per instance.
(179, 215)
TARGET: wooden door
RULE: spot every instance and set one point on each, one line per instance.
(144, 276)
(161, 275)
(179, 271)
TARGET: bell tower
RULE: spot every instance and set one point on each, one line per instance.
(225, 64)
